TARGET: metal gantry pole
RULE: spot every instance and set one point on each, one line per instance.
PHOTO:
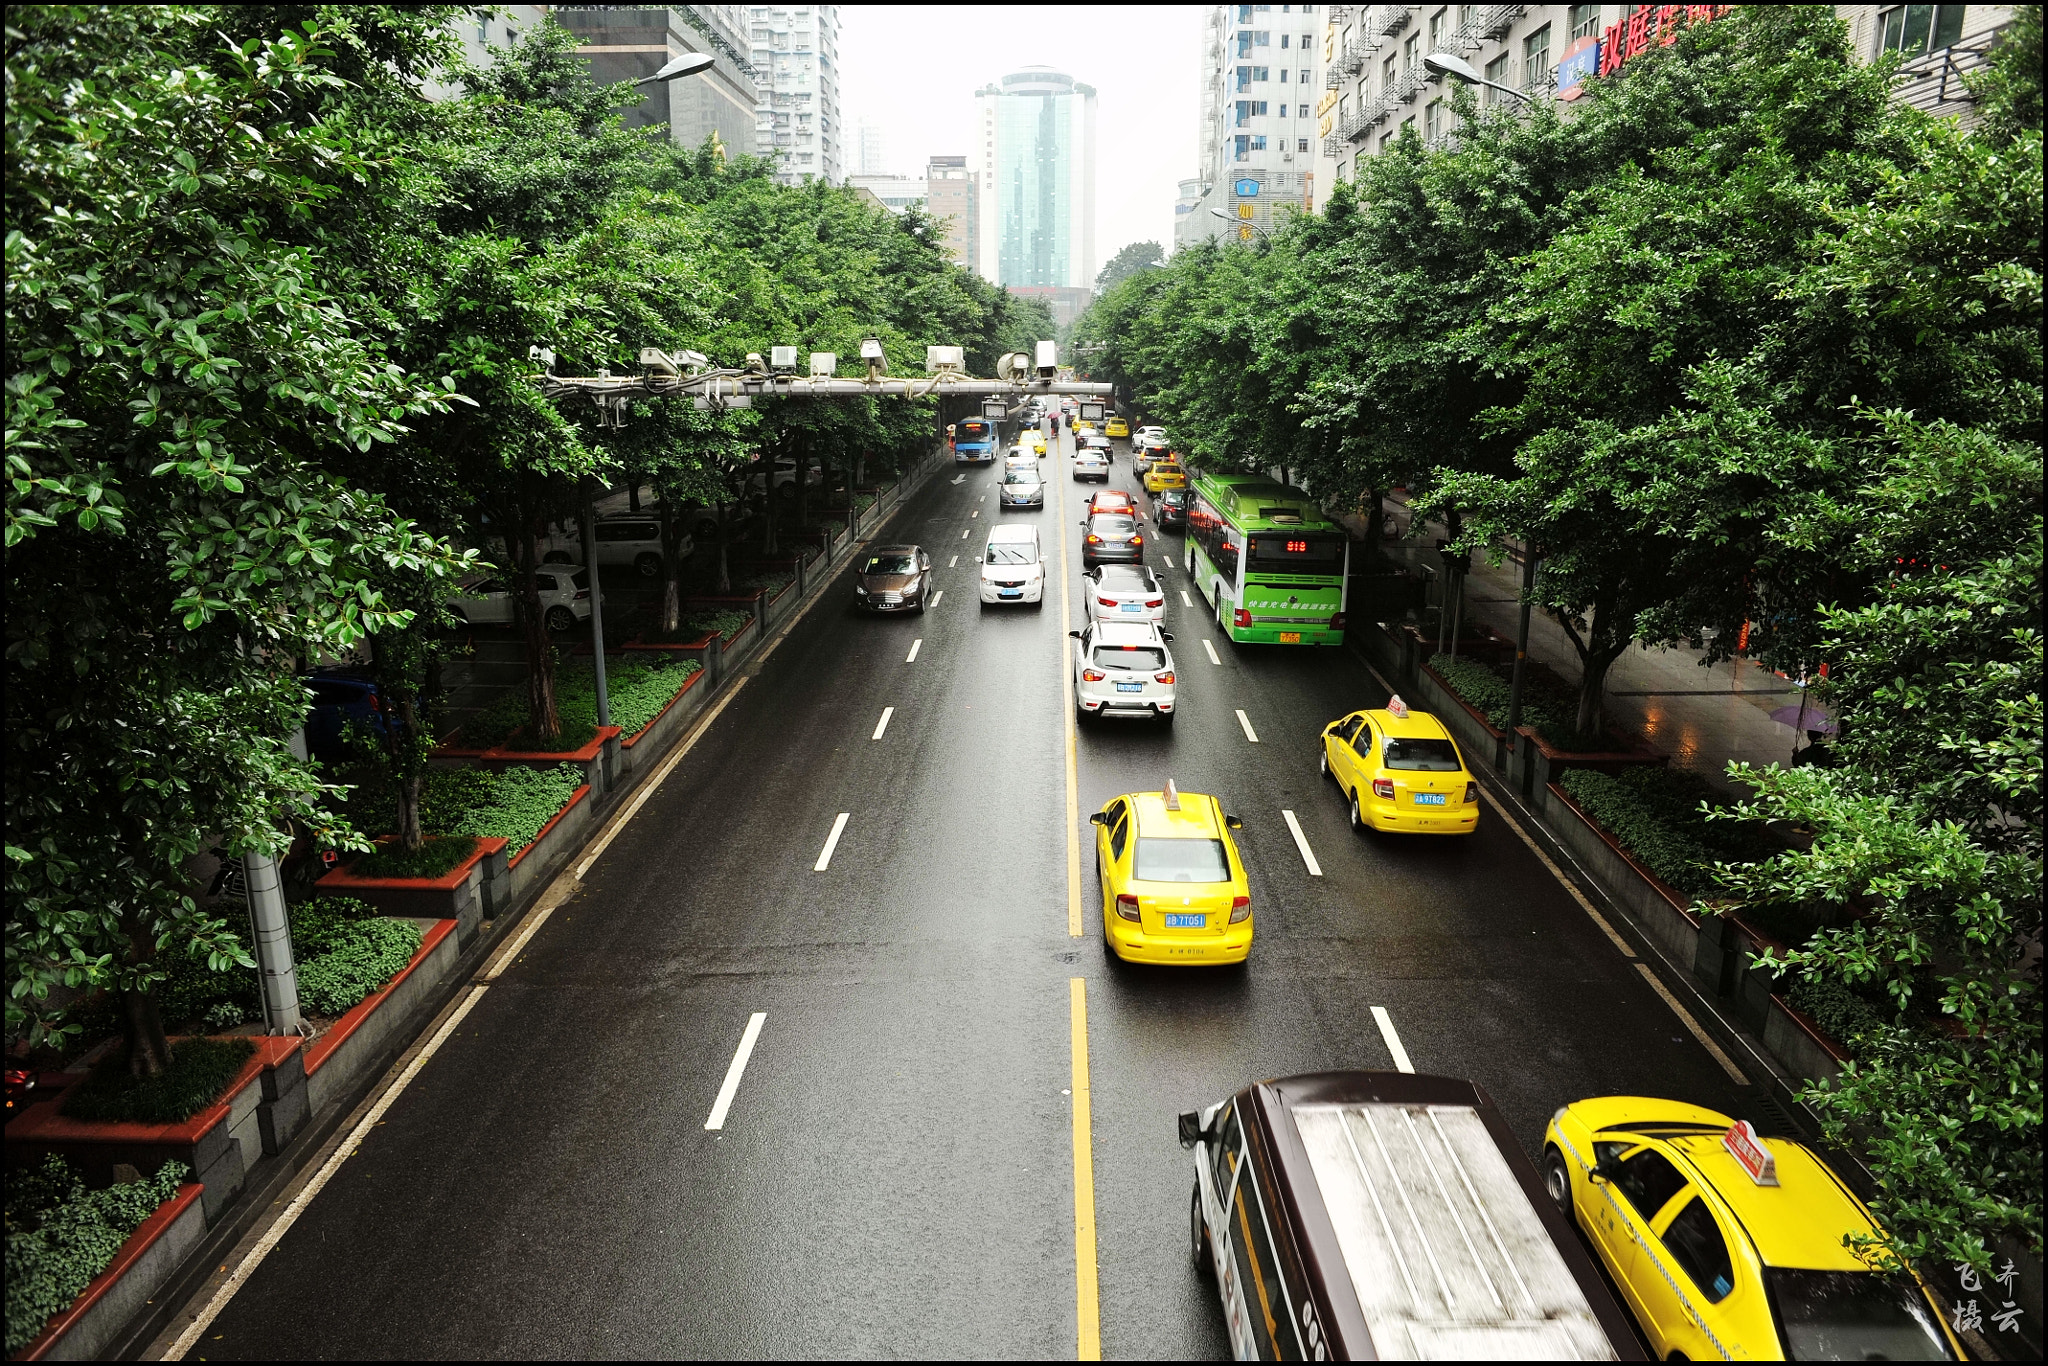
(271, 929)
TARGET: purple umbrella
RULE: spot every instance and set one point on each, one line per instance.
(1806, 716)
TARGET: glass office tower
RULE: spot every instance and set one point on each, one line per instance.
(1035, 164)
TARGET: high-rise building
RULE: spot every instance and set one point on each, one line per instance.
(951, 198)
(626, 44)
(1261, 76)
(1034, 168)
(894, 192)
(795, 48)
(869, 153)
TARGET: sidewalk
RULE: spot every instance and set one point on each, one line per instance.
(1702, 717)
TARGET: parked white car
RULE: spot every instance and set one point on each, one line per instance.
(490, 600)
(1090, 464)
(624, 541)
(1123, 668)
(1123, 592)
(1013, 566)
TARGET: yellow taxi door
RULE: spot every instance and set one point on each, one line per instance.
(1112, 840)
(1337, 746)
(1359, 763)
(1694, 1295)
(1644, 1183)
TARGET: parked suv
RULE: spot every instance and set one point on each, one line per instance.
(489, 600)
(1123, 668)
(632, 539)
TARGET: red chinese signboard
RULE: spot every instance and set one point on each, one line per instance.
(1648, 24)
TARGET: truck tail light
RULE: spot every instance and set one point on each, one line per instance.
(1383, 788)
(1240, 909)
(1242, 618)
(1127, 907)
(1092, 675)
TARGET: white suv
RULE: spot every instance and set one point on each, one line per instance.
(1012, 567)
(1123, 668)
(630, 540)
(492, 600)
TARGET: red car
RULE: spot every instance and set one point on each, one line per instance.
(1113, 500)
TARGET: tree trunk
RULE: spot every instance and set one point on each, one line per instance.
(671, 570)
(543, 722)
(633, 495)
(410, 835)
(1597, 653)
(149, 1048)
(724, 541)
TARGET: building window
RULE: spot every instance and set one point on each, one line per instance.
(1408, 52)
(1283, 74)
(1303, 77)
(1301, 145)
(1585, 22)
(1304, 112)
(1244, 144)
(1501, 72)
(1913, 29)
(1436, 29)
(1258, 142)
(1387, 76)
(1433, 120)
(1244, 14)
(1536, 57)
(1283, 40)
(1262, 38)
(1244, 77)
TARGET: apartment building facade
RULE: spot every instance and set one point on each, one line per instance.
(626, 44)
(952, 199)
(795, 51)
(1034, 169)
(1376, 84)
(1261, 75)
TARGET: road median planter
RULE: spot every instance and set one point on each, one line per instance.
(467, 894)
(645, 746)
(152, 1253)
(360, 1041)
(219, 1144)
(561, 837)
(1464, 721)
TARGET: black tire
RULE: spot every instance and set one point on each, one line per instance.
(1323, 760)
(648, 564)
(921, 605)
(1198, 1235)
(556, 557)
(560, 620)
(1356, 817)
(1166, 718)
(1557, 1184)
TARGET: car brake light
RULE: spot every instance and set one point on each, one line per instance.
(375, 703)
(1383, 788)
(1240, 909)
(1127, 907)
(1155, 602)
(1094, 540)
(1166, 677)
(1471, 792)
(1092, 675)
(1107, 602)
(1242, 618)
(582, 593)
(1337, 621)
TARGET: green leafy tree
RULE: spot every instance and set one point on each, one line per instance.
(1136, 257)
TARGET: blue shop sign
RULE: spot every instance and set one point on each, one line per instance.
(1246, 189)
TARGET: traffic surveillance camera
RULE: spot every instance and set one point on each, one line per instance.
(1014, 365)
(871, 352)
(944, 360)
(1048, 359)
(782, 359)
(824, 364)
(544, 354)
(755, 364)
(690, 361)
(653, 358)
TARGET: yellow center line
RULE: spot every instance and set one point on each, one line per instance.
(1087, 1292)
(1073, 775)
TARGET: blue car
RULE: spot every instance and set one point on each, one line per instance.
(339, 697)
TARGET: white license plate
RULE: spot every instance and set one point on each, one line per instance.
(1130, 687)
(1429, 799)
(1186, 922)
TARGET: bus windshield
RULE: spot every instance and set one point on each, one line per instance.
(1295, 552)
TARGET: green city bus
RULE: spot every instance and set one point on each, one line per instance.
(1270, 563)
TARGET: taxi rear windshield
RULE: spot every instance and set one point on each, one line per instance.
(1181, 860)
(1297, 552)
(1422, 756)
(1130, 657)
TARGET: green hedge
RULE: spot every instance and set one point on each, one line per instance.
(200, 1070)
(770, 583)
(60, 1235)
(342, 946)
(637, 688)
(359, 958)
(436, 857)
(1655, 814)
(1547, 709)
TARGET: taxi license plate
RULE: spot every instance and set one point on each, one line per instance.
(1429, 799)
(1186, 922)
(1290, 637)
(1130, 687)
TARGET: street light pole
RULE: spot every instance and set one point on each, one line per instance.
(588, 517)
(1444, 64)
(1529, 558)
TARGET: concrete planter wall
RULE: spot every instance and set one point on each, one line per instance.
(468, 894)
(641, 750)
(1473, 732)
(1659, 911)
(155, 1250)
(532, 867)
(1534, 765)
(362, 1041)
(219, 1144)
(1798, 1043)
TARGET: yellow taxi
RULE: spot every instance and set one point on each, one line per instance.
(1084, 427)
(1116, 426)
(1165, 474)
(1173, 885)
(1400, 770)
(1036, 440)
(1729, 1245)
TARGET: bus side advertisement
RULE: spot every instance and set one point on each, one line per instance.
(1273, 568)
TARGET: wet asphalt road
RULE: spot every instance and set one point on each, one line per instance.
(895, 1176)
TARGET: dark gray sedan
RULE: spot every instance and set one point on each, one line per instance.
(1112, 538)
(893, 578)
(1020, 488)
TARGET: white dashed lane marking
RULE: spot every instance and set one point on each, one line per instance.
(831, 842)
(1246, 722)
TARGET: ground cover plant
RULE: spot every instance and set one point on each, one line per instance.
(1659, 815)
(1547, 707)
(636, 687)
(60, 1235)
(200, 1070)
(724, 623)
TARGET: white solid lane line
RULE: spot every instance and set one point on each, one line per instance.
(915, 646)
(936, 596)
(1246, 722)
(737, 1070)
(1308, 855)
(953, 563)
(1188, 603)
(883, 724)
(1401, 1063)
(1212, 654)
(831, 843)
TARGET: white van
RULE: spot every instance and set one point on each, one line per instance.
(1012, 566)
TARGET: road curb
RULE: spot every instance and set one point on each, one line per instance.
(275, 1180)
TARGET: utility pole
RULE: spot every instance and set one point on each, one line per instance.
(1529, 558)
(271, 928)
(588, 517)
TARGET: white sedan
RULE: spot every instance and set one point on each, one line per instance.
(1089, 464)
(1123, 668)
(1123, 592)
(492, 601)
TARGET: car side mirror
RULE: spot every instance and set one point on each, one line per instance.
(1166, 635)
(1190, 1128)
(1075, 634)
(1233, 823)
(1097, 818)
(1606, 1169)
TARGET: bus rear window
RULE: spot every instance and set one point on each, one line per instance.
(1296, 553)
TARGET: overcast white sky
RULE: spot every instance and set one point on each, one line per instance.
(913, 70)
